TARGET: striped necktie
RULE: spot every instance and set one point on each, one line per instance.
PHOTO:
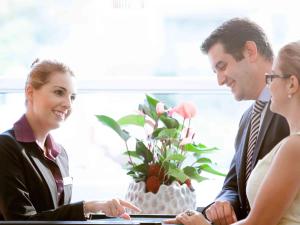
(254, 130)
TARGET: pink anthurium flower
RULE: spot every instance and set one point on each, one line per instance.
(171, 111)
(186, 109)
(160, 108)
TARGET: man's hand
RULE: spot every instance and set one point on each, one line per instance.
(221, 213)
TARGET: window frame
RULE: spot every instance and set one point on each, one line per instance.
(199, 84)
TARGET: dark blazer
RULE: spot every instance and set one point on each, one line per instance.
(274, 128)
(27, 186)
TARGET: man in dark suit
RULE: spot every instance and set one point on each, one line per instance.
(240, 55)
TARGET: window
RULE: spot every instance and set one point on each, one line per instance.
(95, 152)
(120, 50)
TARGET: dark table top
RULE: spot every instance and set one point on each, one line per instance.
(100, 219)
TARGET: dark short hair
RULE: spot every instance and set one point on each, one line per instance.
(234, 33)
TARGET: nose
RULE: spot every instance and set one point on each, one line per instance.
(221, 78)
(68, 102)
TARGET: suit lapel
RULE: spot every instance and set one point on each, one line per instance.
(244, 143)
(48, 177)
(262, 132)
(64, 174)
(241, 147)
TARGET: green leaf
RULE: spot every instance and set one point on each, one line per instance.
(193, 174)
(175, 157)
(203, 160)
(142, 168)
(178, 174)
(148, 111)
(142, 150)
(169, 122)
(138, 120)
(113, 125)
(168, 133)
(156, 132)
(133, 154)
(201, 145)
(204, 147)
(166, 164)
(196, 149)
(144, 109)
(152, 102)
(209, 169)
(137, 176)
(130, 172)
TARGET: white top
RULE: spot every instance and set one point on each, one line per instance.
(292, 216)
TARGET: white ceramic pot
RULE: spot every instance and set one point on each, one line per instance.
(171, 199)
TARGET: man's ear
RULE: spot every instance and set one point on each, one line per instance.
(293, 85)
(250, 50)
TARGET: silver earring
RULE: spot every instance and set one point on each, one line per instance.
(289, 96)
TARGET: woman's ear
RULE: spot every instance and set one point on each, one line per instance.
(250, 50)
(28, 93)
(293, 85)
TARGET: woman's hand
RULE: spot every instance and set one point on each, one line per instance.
(189, 217)
(113, 208)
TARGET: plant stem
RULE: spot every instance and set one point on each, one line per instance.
(188, 129)
(127, 149)
(178, 147)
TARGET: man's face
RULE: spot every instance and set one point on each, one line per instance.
(234, 74)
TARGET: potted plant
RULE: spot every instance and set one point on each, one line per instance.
(167, 158)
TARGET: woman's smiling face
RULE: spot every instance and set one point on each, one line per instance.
(52, 103)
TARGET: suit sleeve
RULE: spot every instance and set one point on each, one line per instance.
(15, 199)
(229, 190)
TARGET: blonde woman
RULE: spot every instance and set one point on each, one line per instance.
(34, 170)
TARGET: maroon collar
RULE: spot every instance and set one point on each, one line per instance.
(24, 133)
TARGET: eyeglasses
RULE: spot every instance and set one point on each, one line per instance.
(270, 77)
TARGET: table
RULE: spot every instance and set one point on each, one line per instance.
(101, 219)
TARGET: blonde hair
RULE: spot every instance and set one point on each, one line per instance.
(41, 71)
(289, 59)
